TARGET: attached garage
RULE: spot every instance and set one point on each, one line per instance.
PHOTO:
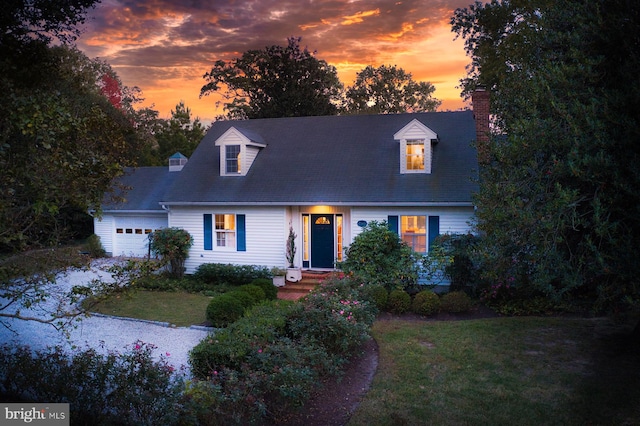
(131, 236)
(133, 210)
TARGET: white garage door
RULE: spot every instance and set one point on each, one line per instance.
(132, 234)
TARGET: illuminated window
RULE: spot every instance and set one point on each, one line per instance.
(138, 231)
(322, 220)
(226, 230)
(232, 157)
(339, 239)
(119, 231)
(413, 231)
(129, 231)
(305, 237)
(147, 231)
(415, 154)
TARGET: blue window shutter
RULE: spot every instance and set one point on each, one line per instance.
(241, 233)
(434, 228)
(208, 232)
(392, 222)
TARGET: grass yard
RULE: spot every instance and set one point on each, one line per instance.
(179, 308)
(502, 371)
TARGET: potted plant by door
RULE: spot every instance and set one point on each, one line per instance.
(293, 274)
(278, 275)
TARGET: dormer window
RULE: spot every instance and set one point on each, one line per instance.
(238, 150)
(416, 150)
(415, 155)
(232, 159)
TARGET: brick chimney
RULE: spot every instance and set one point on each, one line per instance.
(480, 100)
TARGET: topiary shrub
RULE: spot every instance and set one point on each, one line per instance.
(399, 302)
(378, 295)
(456, 301)
(246, 299)
(254, 291)
(224, 309)
(270, 290)
(425, 302)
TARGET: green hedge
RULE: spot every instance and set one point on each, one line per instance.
(219, 273)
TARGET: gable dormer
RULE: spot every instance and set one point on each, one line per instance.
(238, 150)
(416, 150)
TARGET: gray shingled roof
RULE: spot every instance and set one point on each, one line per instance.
(350, 160)
(141, 189)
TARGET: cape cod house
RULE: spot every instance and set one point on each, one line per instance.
(326, 177)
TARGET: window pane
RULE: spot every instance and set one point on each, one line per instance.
(225, 230)
(414, 232)
(415, 155)
(232, 158)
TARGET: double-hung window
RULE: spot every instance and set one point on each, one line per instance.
(413, 231)
(232, 159)
(415, 155)
(225, 230)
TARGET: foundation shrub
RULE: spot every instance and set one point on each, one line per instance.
(266, 284)
(378, 256)
(224, 309)
(455, 302)
(378, 295)
(218, 273)
(95, 247)
(246, 299)
(399, 302)
(426, 302)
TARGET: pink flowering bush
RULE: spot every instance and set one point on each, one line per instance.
(112, 388)
(269, 361)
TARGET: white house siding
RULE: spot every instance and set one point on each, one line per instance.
(453, 220)
(265, 236)
(103, 228)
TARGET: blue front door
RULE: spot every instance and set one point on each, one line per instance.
(322, 241)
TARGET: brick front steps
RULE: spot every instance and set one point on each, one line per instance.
(309, 281)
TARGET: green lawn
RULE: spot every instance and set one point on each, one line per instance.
(502, 371)
(178, 308)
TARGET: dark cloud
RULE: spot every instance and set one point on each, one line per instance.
(152, 40)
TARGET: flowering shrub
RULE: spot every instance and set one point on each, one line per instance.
(270, 360)
(127, 388)
(172, 245)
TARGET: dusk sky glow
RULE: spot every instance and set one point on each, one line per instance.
(165, 46)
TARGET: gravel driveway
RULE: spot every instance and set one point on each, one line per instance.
(102, 332)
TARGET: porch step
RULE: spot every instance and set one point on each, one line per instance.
(296, 290)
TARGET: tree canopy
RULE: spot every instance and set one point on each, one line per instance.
(276, 81)
(388, 90)
(559, 200)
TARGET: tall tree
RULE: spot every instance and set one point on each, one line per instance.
(179, 134)
(388, 90)
(559, 201)
(276, 81)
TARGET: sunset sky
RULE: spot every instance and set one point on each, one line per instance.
(165, 46)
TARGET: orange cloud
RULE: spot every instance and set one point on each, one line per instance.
(165, 46)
